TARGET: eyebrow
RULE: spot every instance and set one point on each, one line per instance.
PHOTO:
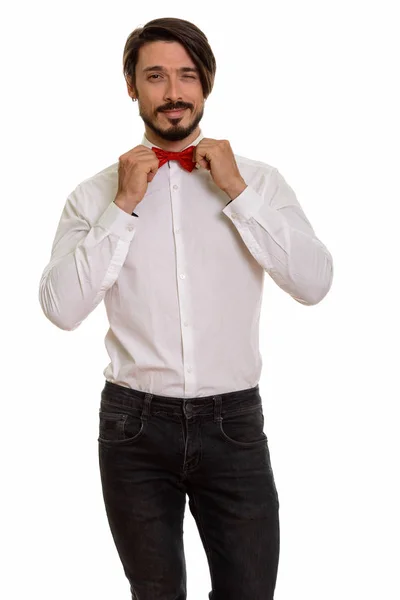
(161, 68)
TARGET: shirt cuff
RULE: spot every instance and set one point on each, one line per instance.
(118, 221)
(245, 205)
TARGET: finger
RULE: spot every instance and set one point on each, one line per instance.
(152, 173)
(204, 163)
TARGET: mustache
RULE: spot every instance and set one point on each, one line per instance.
(177, 107)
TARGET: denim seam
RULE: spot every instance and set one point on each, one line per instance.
(208, 550)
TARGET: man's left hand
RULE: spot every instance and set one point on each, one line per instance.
(218, 158)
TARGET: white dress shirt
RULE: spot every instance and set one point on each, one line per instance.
(183, 281)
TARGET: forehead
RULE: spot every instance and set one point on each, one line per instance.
(169, 54)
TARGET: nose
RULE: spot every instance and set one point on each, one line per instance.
(172, 93)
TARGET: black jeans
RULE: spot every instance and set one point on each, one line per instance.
(153, 450)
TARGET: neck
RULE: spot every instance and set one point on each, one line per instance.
(176, 146)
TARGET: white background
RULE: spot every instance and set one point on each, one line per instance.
(309, 87)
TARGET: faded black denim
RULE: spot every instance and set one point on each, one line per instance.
(153, 450)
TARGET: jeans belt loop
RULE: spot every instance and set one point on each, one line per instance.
(146, 406)
(217, 408)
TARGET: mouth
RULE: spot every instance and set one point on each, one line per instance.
(174, 114)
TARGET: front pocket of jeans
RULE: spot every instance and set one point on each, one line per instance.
(245, 428)
(119, 427)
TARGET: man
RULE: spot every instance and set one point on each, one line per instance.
(176, 239)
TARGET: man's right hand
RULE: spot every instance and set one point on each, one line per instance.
(137, 168)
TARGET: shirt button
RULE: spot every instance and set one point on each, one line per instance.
(175, 187)
(177, 230)
(130, 228)
(234, 215)
(182, 275)
(186, 323)
(189, 369)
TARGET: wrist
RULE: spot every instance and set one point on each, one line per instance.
(236, 189)
(126, 204)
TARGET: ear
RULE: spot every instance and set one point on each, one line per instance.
(130, 88)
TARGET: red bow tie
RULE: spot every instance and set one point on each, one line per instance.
(184, 157)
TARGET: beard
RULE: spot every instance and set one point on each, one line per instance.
(174, 132)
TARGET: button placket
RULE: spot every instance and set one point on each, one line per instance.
(183, 278)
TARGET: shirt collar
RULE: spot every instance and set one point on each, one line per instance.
(145, 142)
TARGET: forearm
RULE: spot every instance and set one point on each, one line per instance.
(296, 260)
(278, 234)
(83, 266)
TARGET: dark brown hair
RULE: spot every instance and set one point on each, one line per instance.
(171, 29)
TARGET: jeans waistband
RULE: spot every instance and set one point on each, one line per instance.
(240, 400)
